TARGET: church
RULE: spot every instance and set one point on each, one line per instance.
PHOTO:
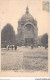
(27, 29)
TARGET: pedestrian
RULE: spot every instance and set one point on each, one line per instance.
(12, 47)
(15, 47)
(31, 46)
(7, 47)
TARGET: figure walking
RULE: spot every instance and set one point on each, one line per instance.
(12, 47)
(31, 46)
(15, 47)
(7, 47)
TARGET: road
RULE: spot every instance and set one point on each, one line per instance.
(25, 59)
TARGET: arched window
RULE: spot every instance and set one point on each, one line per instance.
(29, 27)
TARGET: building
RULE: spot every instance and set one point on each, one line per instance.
(27, 29)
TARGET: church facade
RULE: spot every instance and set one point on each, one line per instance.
(27, 29)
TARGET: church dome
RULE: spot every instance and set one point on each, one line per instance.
(27, 16)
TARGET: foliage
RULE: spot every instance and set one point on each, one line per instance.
(44, 40)
(8, 34)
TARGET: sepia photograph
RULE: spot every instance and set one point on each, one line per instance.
(24, 38)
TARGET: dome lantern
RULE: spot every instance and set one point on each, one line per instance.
(27, 16)
(27, 10)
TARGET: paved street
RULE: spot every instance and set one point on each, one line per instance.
(25, 59)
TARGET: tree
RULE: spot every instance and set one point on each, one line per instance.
(8, 34)
(44, 40)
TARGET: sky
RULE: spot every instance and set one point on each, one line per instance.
(12, 11)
